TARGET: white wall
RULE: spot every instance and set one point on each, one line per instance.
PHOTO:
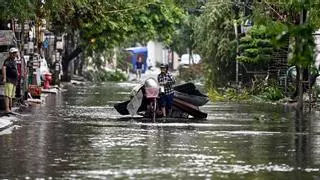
(176, 61)
(158, 54)
(155, 52)
(317, 41)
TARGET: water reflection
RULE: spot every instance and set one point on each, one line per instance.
(307, 140)
(77, 136)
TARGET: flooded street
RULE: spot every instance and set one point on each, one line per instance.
(78, 135)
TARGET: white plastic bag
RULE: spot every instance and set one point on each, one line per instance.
(161, 89)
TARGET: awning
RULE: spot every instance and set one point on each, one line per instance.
(137, 50)
(7, 38)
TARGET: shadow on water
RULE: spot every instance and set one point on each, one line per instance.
(78, 135)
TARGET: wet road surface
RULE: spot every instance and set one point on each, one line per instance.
(77, 135)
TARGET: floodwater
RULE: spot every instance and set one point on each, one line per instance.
(78, 135)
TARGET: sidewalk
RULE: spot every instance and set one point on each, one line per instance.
(7, 121)
(153, 73)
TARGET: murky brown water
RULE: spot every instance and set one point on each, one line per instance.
(77, 136)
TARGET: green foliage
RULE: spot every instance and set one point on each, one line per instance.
(229, 94)
(302, 45)
(21, 10)
(122, 61)
(184, 36)
(267, 91)
(102, 23)
(297, 21)
(215, 96)
(190, 73)
(256, 47)
(104, 75)
(272, 93)
(262, 93)
(284, 19)
(30, 9)
(139, 20)
(214, 35)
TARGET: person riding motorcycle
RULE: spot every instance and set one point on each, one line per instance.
(166, 80)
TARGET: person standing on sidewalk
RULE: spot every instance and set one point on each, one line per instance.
(10, 78)
(139, 65)
(166, 80)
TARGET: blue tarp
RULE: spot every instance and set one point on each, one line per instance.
(136, 52)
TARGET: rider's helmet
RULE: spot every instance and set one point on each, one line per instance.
(162, 66)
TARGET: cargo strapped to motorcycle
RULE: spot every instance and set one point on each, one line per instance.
(152, 92)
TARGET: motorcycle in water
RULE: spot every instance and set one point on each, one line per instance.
(151, 88)
(144, 101)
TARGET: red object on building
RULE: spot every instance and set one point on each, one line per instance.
(35, 91)
(47, 80)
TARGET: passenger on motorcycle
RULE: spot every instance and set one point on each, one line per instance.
(166, 80)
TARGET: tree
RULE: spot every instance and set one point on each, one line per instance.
(105, 24)
(17, 9)
(21, 11)
(256, 47)
(215, 40)
(298, 20)
(99, 24)
(256, 52)
(184, 37)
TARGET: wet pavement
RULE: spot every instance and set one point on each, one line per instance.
(78, 135)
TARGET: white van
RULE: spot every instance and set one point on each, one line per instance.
(184, 60)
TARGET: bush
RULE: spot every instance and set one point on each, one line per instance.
(191, 72)
(215, 96)
(272, 93)
(268, 93)
(104, 75)
(229, 94)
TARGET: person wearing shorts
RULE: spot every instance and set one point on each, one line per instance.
(166, 80)
(10, 78)
(139, 65)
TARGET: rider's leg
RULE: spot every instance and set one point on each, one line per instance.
(169, 101)
(163, 104)
(163, 109)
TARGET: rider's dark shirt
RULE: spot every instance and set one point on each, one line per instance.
(11, 71)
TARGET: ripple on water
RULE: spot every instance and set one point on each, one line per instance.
(187, 125)
(128, 84)
(124, 93)
(206, 170)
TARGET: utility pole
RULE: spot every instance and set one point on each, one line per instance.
(300, 88)
(237, 51)
(247, 12)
